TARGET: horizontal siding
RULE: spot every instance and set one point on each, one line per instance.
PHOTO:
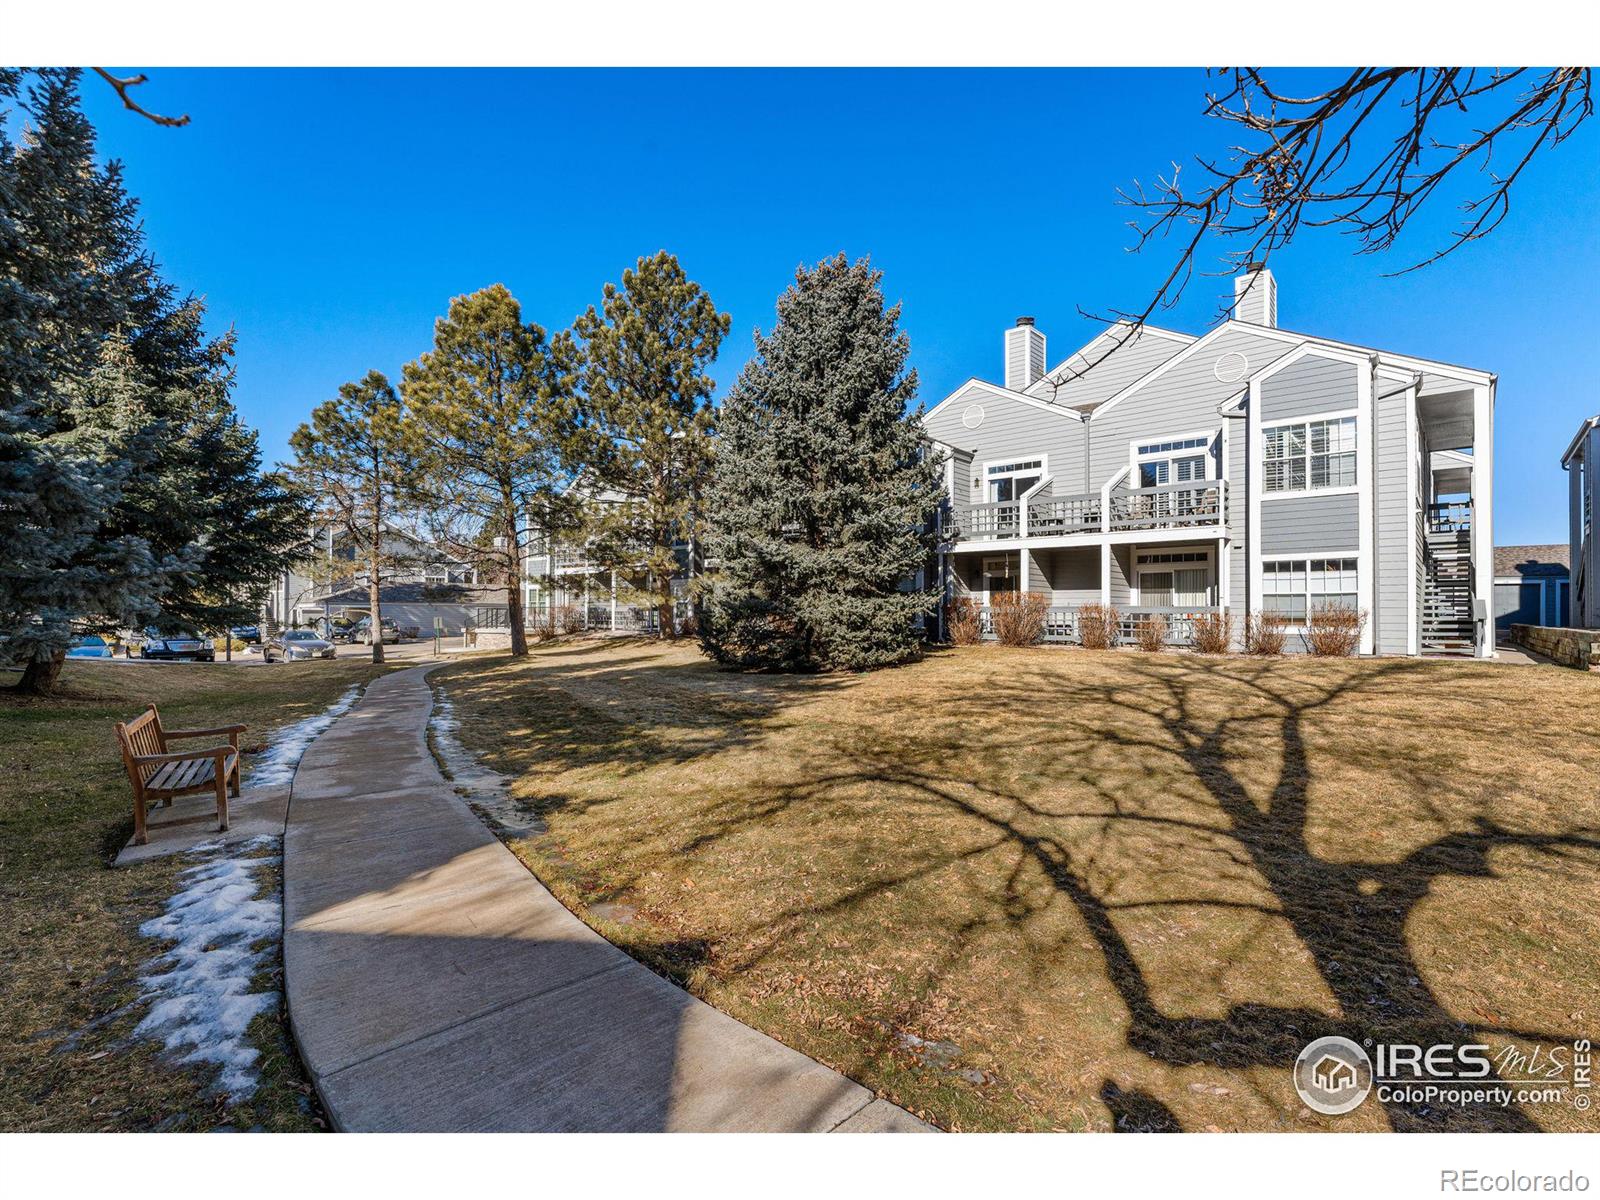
(1395, 518)
(1091, 375)
(1310, 525)
(1238, 514)
(1073, 575)
(1016, 358)
(1185, 398)
(1121, 575)
(1312, 385)
(1012, 429)
(1038, 574)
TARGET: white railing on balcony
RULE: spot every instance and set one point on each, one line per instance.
(1062, 625)
(999, 520)
(1051, 516)
(628, 618)
(1170, 506)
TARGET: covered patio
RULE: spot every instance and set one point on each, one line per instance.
(1176, 580)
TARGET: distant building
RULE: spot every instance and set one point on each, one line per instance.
(1531, 587)
(427, 583)
(1582, 463)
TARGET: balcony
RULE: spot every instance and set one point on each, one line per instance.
(1200, 504)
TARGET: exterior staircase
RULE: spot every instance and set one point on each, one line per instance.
(1447, 625)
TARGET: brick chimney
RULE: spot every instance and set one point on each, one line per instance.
(1024, 355)
(1255, 296)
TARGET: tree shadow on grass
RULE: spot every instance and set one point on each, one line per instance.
(574, 708)
(1349, 915)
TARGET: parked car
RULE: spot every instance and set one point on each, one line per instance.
(341, 631)
(250, 634)
(90, 646)
(175, 647)
(363, 631)
(297, 645)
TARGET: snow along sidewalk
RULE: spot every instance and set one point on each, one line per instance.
(434, 984)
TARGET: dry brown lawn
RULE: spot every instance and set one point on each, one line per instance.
(1062, 889)
(70, 950)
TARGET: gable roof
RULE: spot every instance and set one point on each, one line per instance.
(1532, 562)
(995, 389)
(1112, 359)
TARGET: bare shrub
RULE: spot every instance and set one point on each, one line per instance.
(1019, 617)
(1265, 633)
(1213, 633)
(963, 623)
(1334, 630)
(1150, 634)
(567, 618)
(1099, 626)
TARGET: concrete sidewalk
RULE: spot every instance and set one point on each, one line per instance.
(434, 984)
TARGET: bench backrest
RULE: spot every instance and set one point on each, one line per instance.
(142, 735)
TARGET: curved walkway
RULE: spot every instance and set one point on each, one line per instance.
(434, 984)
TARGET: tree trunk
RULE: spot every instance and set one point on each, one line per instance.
(666, 610)
(39, 676)
(519, 633)
(375, 603)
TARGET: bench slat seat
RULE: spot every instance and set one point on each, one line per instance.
(158, 773)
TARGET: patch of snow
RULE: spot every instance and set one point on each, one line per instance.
(223, 934)
(275, 765)
(482, 788)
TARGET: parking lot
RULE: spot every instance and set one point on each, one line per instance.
(392, 651)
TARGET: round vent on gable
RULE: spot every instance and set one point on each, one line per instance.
(973, 417)
(1231, 367)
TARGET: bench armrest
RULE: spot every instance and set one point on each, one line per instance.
(184, 755)
(189, 733)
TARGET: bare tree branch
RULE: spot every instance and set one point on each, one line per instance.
(122, 86)
(1364, 157)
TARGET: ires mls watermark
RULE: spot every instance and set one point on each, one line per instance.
(1335, 1074)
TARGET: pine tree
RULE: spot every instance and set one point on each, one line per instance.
(129, 493)
(824, 490)
(356, 459)
(646, 395)
(491, 413)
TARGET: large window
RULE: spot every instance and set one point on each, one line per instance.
(1310, 455)
(1006, 481)
(1295, 587)
(1176, 460)
(1175, 579)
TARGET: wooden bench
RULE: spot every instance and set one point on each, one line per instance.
(159, 774)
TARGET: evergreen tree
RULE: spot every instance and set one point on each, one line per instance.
(491, 414)
(355, 458)
(824, 489)
(129, 493)
(643, 361)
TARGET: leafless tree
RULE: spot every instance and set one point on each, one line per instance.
(1363, 156)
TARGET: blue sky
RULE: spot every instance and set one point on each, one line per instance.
(329, 216)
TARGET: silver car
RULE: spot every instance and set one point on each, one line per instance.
(296, 645)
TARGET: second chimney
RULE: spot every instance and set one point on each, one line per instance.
(1255, 296)
(1024, 355)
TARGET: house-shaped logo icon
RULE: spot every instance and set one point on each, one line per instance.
(1333, 1074)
